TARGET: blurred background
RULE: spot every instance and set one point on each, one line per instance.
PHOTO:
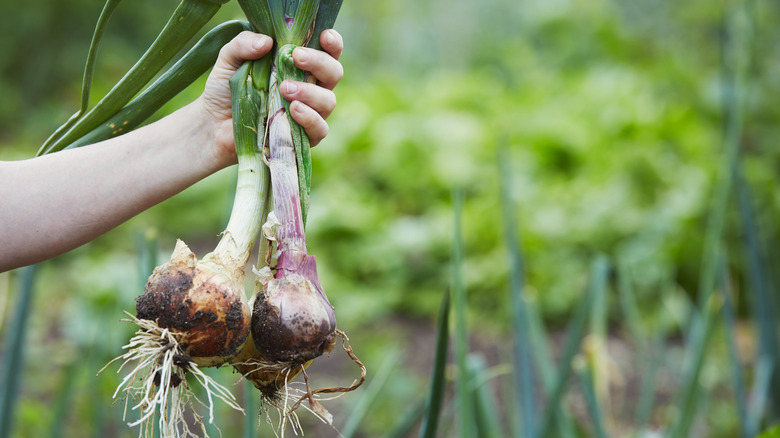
(628, 149)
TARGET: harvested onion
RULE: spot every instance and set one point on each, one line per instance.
(293, 322)
(201, 300)
(194, 313)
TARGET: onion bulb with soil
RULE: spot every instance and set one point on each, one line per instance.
(293, 322)
(194, 313)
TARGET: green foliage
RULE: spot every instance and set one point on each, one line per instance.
(430, 421)
(14, 343)
(771, 433)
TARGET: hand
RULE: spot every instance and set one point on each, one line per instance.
(310, 104)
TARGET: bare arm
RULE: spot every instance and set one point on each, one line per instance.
(57, 202)
(52, 204)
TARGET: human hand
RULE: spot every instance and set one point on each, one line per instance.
(310, 104)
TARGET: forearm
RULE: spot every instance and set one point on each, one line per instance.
(58, 202)
(55, 203)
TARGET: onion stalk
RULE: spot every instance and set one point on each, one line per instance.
(194, 313)
(184, 72)
(185, 21)
(293, 322)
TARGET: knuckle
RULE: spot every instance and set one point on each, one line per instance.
(320, 132)
(339, 73)
(243, 39)
(304, 115)
(331, 103)
(312, 117)
(224, 51)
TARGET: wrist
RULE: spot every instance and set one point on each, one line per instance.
(216, 146)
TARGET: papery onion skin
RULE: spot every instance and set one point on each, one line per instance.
(292, 319)
(201, 302)
(290, 323)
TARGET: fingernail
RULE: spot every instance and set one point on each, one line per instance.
(300, 55)
(329, 38)
(292, 87)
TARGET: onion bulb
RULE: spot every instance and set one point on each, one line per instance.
(203, 301)
(194, 313)
(293, 322)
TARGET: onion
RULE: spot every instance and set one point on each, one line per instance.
(204, 301)
(293, 322)
(195, 313)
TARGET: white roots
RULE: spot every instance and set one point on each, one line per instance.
(282, 403)
(292, 395)
(157, 385)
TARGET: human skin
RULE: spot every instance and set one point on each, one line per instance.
(52, 204)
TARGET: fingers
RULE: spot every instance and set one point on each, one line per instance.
(332, 43)
(312, 104)
(311, 121)
(323, 65)
(244, 46)
(321, 100)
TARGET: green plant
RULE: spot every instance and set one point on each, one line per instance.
(14, 343)
(193, 313)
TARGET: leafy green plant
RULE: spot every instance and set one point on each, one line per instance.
(174, 340)
(14, 343)
(435, 400)
(478, 407)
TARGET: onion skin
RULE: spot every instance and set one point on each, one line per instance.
(200, 301)
(292, 320)
(292, 324)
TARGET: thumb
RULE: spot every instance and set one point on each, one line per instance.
(245, 46)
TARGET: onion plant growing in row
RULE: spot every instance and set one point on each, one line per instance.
(194, 312)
